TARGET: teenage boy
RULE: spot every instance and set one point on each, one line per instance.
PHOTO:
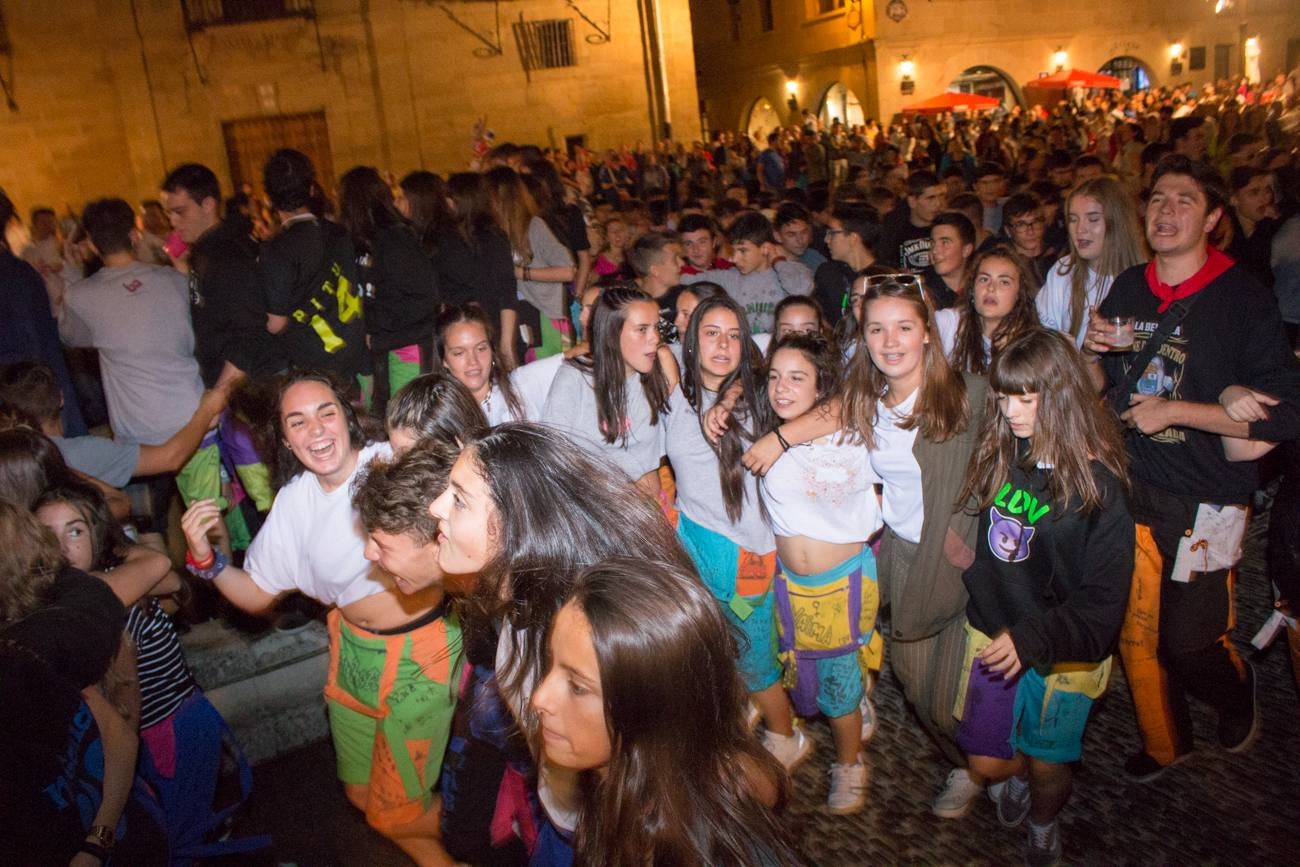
(906, 240)
(990, 186)
(312, 295)
(852, 233)
(1190, 503)
(1024, 225)
(700, 245)
(759, 281)
(656, 260)
(952, 243)
(794, 230)
(393, 665)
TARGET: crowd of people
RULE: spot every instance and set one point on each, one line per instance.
(610, 473)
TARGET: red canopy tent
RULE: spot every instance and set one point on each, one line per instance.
(950, 101)
(1066, 79)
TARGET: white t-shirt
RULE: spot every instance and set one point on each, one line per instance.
(313, 541)
(496, 409)
(699, 491)
(947, 321)
(900, 474)
(823, 490)
(532, 381)
(1053, 299)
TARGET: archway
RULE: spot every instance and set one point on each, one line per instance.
(761, 119)
(1131, 72)
(840, 103)
(988, 81)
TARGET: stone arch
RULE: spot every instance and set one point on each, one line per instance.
(760, 119)
(838, 102)
(1132, 72)
(989, 81)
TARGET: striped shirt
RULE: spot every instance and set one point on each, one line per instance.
(165, 679)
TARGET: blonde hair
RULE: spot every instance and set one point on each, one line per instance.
(1123, 247)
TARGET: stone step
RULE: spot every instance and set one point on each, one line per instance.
(268, 686)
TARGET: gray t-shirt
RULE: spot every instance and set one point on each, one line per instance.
(571, 408)
(548, 252)
(759, 291)
(699, 491)
(138, 317)
(113, 462)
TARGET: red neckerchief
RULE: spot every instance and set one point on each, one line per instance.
(1216, 262)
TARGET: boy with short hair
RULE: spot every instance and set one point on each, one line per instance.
(759, 281)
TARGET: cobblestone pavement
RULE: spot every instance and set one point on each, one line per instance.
(1214, 809)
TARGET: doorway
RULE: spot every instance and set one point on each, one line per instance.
(250, 141)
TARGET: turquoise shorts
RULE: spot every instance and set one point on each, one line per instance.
(1052, 732)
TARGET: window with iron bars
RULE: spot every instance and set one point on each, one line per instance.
(546, 44)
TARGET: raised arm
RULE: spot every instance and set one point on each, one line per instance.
(199, 521)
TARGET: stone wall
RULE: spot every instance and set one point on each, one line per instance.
(106, 102)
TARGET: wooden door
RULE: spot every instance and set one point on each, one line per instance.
(251, 140)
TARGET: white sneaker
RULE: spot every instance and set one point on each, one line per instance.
(959, 792)
(789, 750)
(868, 718)
(848, 788)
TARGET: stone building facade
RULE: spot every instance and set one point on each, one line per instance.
(108, 95)
(765, 59)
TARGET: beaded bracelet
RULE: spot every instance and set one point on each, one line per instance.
(212, 567)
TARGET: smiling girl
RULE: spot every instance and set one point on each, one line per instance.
(465, 344)
(997, 307)
(1104, 240)
(1049, 584)
(719, 517)
(823, 509)
(612, 400)
(672, 776)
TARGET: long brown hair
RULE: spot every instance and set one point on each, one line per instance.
(1073, 428)
(513, 206)
(968, 345)
(677, 787)
(30, 560)
(941, 410)
(1124, 245)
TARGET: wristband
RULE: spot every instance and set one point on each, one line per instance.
(785, 446)
(527, 273)
(207, 573)
(95, 851)
(204, 564)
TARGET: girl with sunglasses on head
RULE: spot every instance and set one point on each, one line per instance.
(613, 400)
(720, 519)
(996, 307)
(1049, 584)
(670, 773)
(823, 510)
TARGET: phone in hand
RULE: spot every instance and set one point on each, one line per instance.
(175, 245)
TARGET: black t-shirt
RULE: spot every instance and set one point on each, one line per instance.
(1231, 336)
(46, 659)
(482, 270)
(1058, 579)
(906, 245)
(310, 273)
(228, 306)
(832, 284)
(573, 228)
(941, 295)
(401, 290)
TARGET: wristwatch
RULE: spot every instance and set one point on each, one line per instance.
(103, 835)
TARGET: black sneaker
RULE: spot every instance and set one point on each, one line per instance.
(1043, 846)
(1143, 768)
(1238, 732)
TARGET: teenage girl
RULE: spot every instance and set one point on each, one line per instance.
(1049, 584)
(794, 314)
(671, 775)
(919, 419)
(720, 520)
(432, 406)
(526, 509)
(464, 344)
(1104, 240)
(823, 509)
(996, 307)
(613, 399)
(182, 733)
